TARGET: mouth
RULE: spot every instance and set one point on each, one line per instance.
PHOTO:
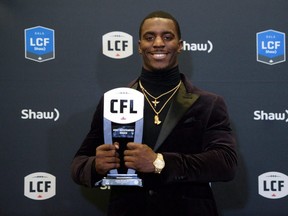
(158, 55)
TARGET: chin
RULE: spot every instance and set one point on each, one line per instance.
(160, 67)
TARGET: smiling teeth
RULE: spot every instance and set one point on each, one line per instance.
(160, 55)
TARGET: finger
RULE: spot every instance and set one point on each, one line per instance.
(116, 144)
(129, 153)
(132, 145)
(107, 162)
(129, 158)
(130, 165)
(111, 160)
(110, 153)
(106, 148)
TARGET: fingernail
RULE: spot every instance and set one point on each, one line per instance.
(116, 145)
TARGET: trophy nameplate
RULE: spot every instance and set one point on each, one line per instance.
(123, 123)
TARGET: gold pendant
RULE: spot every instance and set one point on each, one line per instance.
(156, 120)
(155, 102)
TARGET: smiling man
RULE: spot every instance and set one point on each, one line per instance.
(160, 43)
(187, 139)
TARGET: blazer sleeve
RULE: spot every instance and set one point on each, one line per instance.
(218, 159)
(83, 170)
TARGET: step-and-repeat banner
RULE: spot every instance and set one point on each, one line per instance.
(57, 58)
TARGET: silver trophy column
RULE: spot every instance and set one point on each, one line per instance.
(124, 108)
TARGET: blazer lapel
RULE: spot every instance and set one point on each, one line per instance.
(181, 103)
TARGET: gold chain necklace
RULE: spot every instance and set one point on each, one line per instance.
(155, 102)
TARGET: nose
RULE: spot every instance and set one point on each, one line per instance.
(158, 42)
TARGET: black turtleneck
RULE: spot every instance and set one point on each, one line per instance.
(160, 81)
(157, 83)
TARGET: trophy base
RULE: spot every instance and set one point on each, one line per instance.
(122, 180)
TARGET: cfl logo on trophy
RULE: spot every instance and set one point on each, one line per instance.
(117, 45)
(271, 47)
(273, 185)
(123, 105)
(39, 44)
(39, 186)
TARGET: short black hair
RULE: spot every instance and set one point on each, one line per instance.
(161, 14)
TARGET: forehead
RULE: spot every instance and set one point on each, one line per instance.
(158, 25)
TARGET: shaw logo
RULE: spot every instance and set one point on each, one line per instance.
(40, 186)
(117, 45)
(39, 44)
(201, 47)
(40, 115)
(271, 47)
(273, 185)
(264, 116)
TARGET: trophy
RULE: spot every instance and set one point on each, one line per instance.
(123, 123)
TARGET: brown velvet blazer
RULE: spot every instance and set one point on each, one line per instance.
(198, 148)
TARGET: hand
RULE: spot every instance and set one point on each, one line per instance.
(107, 158)
(139, 157)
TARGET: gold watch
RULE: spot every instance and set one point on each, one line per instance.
(159, 163)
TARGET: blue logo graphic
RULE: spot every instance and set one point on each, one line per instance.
(39, 44)
(271, 47)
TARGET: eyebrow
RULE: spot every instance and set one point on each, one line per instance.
(154, 33)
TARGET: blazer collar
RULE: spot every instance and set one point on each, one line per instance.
(182, 101)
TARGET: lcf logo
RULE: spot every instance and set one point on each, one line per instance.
(117, 45)
(39, 44)
(271, 47)
(273, 185)
(39, 186)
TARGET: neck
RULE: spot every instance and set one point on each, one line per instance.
(161, 80)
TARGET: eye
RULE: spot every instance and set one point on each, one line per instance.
(168, 37)
(149, 37)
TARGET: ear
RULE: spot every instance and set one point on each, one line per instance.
(180, 43)
(139, 47)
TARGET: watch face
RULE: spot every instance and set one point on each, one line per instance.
(159, 164)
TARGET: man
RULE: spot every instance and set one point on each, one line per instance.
(187, 139)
